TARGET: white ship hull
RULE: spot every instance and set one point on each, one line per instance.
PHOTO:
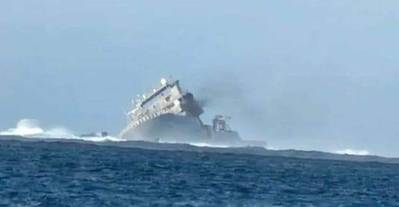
(168, 114)
(182, 129)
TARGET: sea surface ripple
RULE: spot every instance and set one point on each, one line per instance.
(74, 174)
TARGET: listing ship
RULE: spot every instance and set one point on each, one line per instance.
(169, 114)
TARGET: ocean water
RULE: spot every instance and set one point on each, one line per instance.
(72, 174)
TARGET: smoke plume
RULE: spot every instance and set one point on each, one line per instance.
(227, 96)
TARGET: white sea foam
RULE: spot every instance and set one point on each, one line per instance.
(199, 144)
(353, 152)
(31, 128)
(101, 139)
(25, 127)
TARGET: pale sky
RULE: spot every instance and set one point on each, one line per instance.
(313, 74)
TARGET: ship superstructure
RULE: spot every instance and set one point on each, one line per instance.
(168, 113)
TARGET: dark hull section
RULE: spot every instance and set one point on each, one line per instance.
(182, 129)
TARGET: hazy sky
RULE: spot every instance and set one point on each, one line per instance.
(310, 74)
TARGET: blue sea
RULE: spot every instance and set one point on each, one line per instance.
(78, 174)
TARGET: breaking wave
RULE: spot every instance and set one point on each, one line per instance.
(198, 144)
(31, 128)
(353, 152)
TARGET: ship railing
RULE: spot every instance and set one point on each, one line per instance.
(150, 117)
